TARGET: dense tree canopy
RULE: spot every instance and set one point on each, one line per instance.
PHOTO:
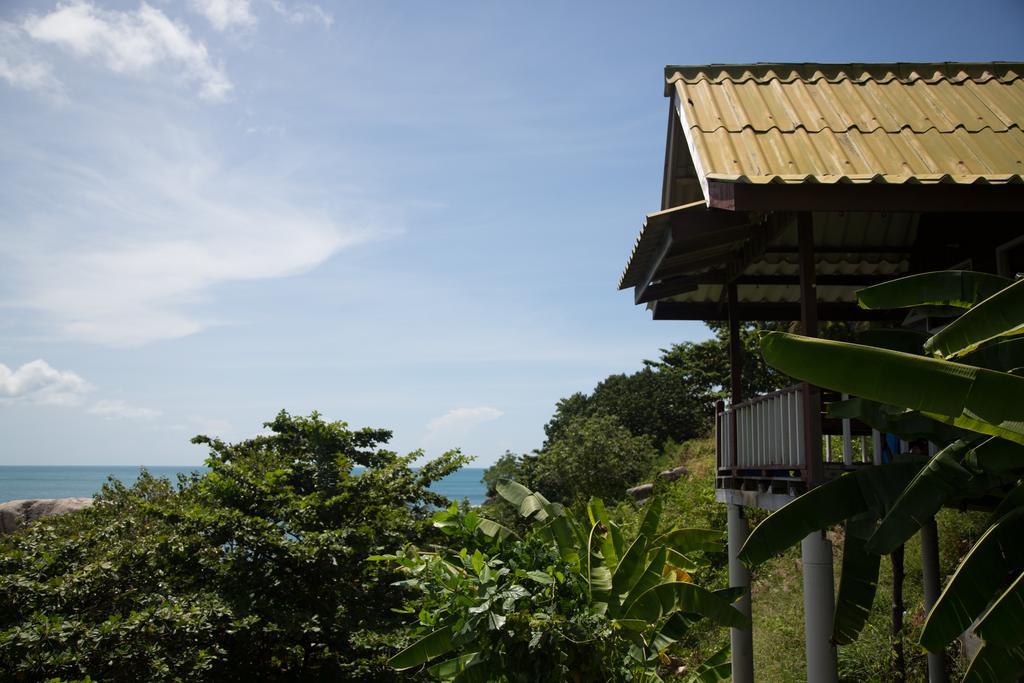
(254, 571)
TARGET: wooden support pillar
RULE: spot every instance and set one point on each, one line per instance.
(735, 347)
(809, 328)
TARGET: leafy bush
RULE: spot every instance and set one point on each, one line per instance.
(571, 600)
(254, 571)
(658, 404)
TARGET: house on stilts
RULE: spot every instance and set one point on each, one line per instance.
(786, 188)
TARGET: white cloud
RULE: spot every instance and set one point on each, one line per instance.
(300, 13)
(22, 68)
(114, 409)
(131, 42)
(458, 422)
(225, 14)
(39, 382)
(124, 248)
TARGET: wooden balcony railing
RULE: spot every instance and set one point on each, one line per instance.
(760, 443)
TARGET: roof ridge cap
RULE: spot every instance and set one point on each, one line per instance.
(856, 72)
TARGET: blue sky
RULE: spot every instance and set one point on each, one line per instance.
(403, 214)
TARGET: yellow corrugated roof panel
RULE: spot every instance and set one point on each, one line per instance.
(855, 123)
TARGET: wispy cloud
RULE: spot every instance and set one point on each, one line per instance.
(456, 423)
(303, 12)
(117, 409)
(22, 67)
(125, 250)
(225, 14)
(132, 42)
(39, 382)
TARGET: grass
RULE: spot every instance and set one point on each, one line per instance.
(777, 590)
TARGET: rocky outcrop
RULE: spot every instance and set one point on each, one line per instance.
(674, 473)
(641, 492)
(644, 491)
(15, 513)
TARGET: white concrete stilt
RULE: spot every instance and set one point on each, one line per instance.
(742, 639)
(930, 581)
(819, 608)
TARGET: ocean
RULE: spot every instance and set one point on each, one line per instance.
(17, 482)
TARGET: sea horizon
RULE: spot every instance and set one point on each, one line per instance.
(28, 482)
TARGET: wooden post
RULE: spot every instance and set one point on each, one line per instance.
(809, 327)
(735, 369)
(735, 347)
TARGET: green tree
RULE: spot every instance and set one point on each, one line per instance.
(254, 571)
(655, 403)
(592, 457)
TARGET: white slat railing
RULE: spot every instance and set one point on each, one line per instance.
(767, 433)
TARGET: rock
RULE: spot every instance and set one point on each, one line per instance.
(641, 492)
(673, 474)
(15, 513)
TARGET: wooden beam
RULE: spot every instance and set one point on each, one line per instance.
(666, 246)
(864, 197)
(674, 286)
(778, 312)
(842, 249)
(670, 156)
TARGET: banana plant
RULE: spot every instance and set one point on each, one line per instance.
(641, 592)
(963, 390)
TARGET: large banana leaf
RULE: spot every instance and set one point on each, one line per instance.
(651, 577)
(858, 582)
(1003, 355)
(894, 339)
(997, 456)
(943, 479)
(1013, 499)
(979, 578)
(630, 567)
(717, 667)
(1000, 315)
(664, 598)
(959, 288)
(674, 628)
(1003, 623)
(691, 540)
(993, 664)
(872, 489)
(423, 650)
(529, 503)
(906, 424)
(450, 668)
(611, 545)
(599, 576)
(492, 529)
(972, 398)
(652, 516)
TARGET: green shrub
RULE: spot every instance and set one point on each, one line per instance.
(254, 571)
(572, 599)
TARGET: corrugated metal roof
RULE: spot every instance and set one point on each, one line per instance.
(855, 123)
(835, 231)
